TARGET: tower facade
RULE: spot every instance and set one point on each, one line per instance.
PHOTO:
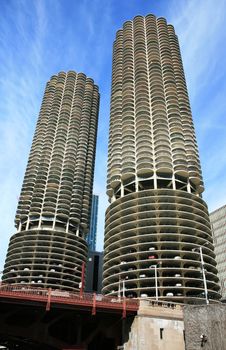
(156, 220)
(92, 235)
(218, 224)
(52, 217)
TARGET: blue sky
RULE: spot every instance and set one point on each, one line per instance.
(41, 37)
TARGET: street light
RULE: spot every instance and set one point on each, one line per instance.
(156, 284)
(123, 288)
(156, 280)
(203, 273)
(82, 282)
(119, 289)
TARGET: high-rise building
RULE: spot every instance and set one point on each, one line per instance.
(157, 219)
(218, 223)
(92, 235)
(53, 212)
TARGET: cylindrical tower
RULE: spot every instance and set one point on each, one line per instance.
(52, 217)
(157, 219)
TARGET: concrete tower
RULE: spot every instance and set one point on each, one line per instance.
(52, 217)
(157, 220)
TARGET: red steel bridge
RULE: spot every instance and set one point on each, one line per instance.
(38, 318)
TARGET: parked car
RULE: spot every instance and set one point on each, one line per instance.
(169, 294)
(152, 266)
(144, 295)
(152, 257)
(177, 257)
(130, 295)
(131, 269)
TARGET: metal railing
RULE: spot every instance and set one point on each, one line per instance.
(48, 295)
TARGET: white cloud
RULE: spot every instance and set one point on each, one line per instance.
(20, 75)
(200, 26)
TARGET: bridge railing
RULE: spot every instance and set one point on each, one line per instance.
(22, 289)
(65, 296)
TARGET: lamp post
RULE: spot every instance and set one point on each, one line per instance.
(156, 280)
(203, 273)
(82, 282)
(123, 288)
(204, 276)
(119, 289)
(156, 284)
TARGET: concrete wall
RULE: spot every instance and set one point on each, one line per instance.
(208, 320)
(145, 332)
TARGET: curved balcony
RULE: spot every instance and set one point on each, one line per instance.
(35, 257)
(162, 228)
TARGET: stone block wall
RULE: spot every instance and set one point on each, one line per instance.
(205, 327)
